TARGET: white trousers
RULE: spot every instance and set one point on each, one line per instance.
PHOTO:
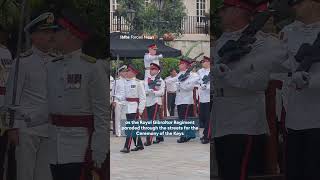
(119, 115)
(32, 157)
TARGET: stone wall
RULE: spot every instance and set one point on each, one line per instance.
(188, 40)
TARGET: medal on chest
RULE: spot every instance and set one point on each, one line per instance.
(73, 81)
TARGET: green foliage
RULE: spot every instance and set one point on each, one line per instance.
(166, 64)
(9, 14)
(215, 20)
(94, 12)
(146, 17)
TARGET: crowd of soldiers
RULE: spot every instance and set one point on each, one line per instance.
(150, 97)
(57, 103)
(239, 113)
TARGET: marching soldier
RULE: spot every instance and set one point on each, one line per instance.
(184, 98)
(118, 98)
(204, 98)
(151, 57)
(30, 133)
(171, 91)
(77, 96)
(154, 92)
(135, 100)
(238, 107)
(111, 80)
(302, 96)
(5, 65)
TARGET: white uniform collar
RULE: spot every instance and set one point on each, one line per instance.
(39, 52)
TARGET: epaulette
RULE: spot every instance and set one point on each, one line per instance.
(88, 58)
(26, 53)
(57, 58)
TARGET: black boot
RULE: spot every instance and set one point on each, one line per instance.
(181, 140)
(125, 150)
(147, 143)
(205, 141)
(138, 148)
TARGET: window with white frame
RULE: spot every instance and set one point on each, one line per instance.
(114, 5)
(147, 2)
(201, 9)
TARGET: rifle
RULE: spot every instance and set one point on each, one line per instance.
(206, 78)
(156, 82)
(234, 50)
(186, 75)
(308, 54)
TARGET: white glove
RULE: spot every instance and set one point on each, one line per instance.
(149, 91)
(98, 158)
(300, 79)
(203, 86)
(220, 70)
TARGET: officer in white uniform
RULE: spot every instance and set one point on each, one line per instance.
(151, 57)
(118, 99)
(238, 107)
(111, 80)
(77, 104)
(303, 99)
(135, 102)
(171, 91)
(30, 131)
(154, 91)
(204, 98)
(5, 64)
(184, 97)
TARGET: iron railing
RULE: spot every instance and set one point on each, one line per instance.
(189, 24)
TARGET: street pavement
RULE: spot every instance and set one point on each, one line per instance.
(165, 161)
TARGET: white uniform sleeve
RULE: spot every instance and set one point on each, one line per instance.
(149, 59)
(160, 92)
(172, 80)
(119, 91)
(100, 138)
(256, 81)
(190, 83)
(314, 82)
(142, 97)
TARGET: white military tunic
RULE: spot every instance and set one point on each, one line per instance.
(302, 106)
(239, 102)
(154, 97)
(5, 65)
(170, 86)
(76, 87)
(148, 59)
(118, 93)
(134, 88)
(111, 88)
(31, 95)
(185, 88)
(31, 98)
(204, 89)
